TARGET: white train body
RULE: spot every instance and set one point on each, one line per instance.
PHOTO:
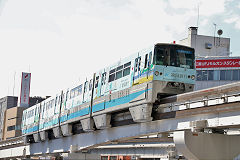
(134, 83)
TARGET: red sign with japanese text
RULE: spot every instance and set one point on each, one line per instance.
(217, 63)
(25, 89)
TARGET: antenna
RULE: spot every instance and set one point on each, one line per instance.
(219, 32)
(215, 25)
(198, 15)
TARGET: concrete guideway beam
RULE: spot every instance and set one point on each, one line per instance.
(206, 146)
(89, 140)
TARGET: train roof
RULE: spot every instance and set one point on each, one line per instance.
(173, 44)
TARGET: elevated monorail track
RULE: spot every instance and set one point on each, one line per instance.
(214, 108)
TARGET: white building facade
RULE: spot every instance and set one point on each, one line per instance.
(213, 62)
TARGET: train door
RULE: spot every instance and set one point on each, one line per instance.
(103, 83)
(85, 91)
(97, 85)
(147, 64)
(136, 71)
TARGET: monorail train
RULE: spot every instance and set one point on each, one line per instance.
(135, 83)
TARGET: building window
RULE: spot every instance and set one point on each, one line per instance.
(235, 75)
(210, 75)
(10, 128)
(223, 75)
(216, 75)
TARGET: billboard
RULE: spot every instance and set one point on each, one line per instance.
(218, 63)
(25, 89)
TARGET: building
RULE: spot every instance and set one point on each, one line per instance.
(215, 71)
(214, 63)
(12, 122)
(206, 46)
(6, 103)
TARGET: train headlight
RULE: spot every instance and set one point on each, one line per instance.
(193, 77)
(156, 73)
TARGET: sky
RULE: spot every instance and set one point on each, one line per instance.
(61, 42)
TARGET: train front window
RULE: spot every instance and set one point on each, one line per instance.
(178, 56)
(161, 56)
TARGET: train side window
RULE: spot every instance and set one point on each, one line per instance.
(96, 82)
(90, 85)
(56, 101)
(112, 75)
(150, 58)
(72, 93)
(146, 60)
(67, 95)
(120, 68)
(127, 64)
(119, 73)
(103, 78)
(136, 64)
(80, 90)
(139, 63)
(85, 86)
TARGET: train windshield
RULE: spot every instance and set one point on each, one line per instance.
(173, 55)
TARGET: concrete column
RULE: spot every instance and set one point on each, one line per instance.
(102, 121)
(57, 132)
(206, 146)
(87, 124)
(43, 135)
(36, 137)
(66, 129)
(141, 113)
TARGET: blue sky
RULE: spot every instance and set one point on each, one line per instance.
(62, 41)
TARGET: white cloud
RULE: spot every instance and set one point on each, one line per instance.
(235, 20)
(64, 40)
(206, 7)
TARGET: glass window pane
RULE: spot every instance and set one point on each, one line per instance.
(127, 64)
(126, 71)
(119, 75)
(199, 75)
(111, 77)
(204, 75)
(223, 75)
(216, 75)
(235, 75)
(112, 71)
(228, 75)
(119, 68)
(210, 75)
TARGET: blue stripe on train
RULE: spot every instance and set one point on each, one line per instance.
(117, 101)
(85, 111)
(79, 113)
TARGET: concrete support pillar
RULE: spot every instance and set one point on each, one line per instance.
(43, 135)
(206, 146)
(36, 137)
(66, 129)
(141, 113)
(87, 124)
(102, 121)
(57, 132)
(81, 156)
